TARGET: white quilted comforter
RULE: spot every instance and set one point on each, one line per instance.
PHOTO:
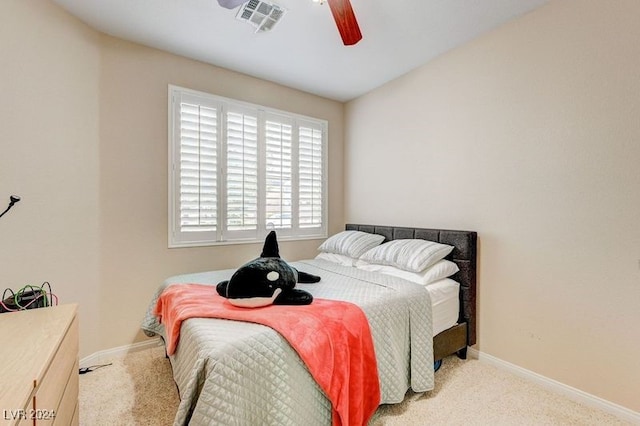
(237, 373)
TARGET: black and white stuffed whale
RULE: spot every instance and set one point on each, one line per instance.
(267, 280)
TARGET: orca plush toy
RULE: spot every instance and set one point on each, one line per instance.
(267, 280)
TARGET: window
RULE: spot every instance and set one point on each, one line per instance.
(237, 171)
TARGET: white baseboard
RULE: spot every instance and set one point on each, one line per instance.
(555, 386)
(103, 357)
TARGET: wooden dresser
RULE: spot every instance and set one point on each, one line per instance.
(39, 367)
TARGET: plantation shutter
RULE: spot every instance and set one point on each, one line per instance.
(242, 171)
(278, 172)
(198, 168)
(238, 170)
(310, 165)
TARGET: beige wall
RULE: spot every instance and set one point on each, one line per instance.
(529, 135)
(84, 142)
(133, 175)
(49, 140)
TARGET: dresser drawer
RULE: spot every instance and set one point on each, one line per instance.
(75, 421)
(25, 418)
(68, 406)
(54, 382)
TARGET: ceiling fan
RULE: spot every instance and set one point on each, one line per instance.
(340, 9)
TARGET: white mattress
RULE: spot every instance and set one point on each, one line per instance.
(445, 303)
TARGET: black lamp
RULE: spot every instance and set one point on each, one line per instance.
(13, 199)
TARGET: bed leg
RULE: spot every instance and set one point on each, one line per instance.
(462, 353)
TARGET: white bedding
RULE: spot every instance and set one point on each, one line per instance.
(240, 373)
(445, 299)
(445, 304)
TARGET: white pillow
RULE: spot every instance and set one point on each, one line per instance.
(411, 255)
(340, 259)
(442, 269)
(350, 243)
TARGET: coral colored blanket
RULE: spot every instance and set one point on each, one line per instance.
(331, 337)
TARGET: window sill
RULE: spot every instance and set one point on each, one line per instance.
(282, 238)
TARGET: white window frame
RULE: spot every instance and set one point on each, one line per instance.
(221, 236)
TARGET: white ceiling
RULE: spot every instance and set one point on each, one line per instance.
(304, 49)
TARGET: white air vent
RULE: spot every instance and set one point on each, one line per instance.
(261, 14)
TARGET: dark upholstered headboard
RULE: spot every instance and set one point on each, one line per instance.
(463, 254)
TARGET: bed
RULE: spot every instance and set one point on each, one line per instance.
(230, 372)
(457, 338)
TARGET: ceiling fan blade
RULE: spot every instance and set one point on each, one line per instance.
(346, 21)
(231, 4)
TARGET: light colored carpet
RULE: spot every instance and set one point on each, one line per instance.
(138, 390)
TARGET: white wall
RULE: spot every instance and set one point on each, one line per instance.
(530, 136)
